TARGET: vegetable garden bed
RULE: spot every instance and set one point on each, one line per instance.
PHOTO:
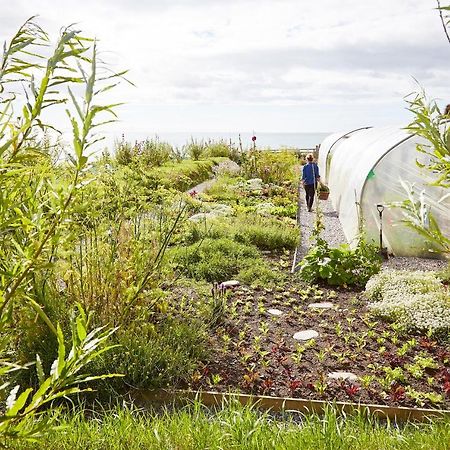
(254, 350)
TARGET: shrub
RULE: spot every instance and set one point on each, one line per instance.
(259, 274)
(215, 149)
(153, 152)
(195, 149)
(271, 167)
(153, 356)
(214, 259)
(225, 188)
(124, 153)
(340, 266)
(266, 233)
(417, 300)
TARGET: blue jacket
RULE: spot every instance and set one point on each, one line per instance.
(310, 171)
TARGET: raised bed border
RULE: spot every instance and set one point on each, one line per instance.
(277, 404)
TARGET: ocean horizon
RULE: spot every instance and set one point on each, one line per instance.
(264, 140)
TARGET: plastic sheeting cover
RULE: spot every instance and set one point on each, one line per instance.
(367, 167)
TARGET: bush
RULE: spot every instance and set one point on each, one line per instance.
(157, 355)
(225, 188)
(417, 300)
(265, 233)
(271, 167)
(215, 149)
(195, 149)
(214, 259)
(259, 274)
(153, 152)
(340, 266)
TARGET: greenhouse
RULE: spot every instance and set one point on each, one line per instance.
(367, 167)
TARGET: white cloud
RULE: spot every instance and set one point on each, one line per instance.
(236, 58)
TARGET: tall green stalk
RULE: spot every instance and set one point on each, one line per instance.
(34, 203)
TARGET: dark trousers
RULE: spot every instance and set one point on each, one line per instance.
(310, 190)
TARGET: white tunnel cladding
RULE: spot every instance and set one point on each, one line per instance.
(366, 167)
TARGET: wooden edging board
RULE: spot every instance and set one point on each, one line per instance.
(209, 398)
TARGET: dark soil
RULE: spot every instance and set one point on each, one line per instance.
(254, 352)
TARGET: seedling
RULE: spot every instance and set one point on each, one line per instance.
(320, 386)
(321, 355)
(264, 328)
(215, 379)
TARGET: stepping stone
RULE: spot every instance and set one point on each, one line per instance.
(343, 376)
(322, 305)
(229, 284)
(306, 335)
(275, 312)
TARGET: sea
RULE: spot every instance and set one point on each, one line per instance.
(265, 140)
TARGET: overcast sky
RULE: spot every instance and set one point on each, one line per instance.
(280, 65)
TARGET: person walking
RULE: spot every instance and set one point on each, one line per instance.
(310, 178)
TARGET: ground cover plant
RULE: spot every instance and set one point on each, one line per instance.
(416, 300)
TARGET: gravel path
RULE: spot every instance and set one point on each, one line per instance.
(334, 235)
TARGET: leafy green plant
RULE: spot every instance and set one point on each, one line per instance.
(266, 233)
(270, 167)
(417, 217)
(195, 149)
(65, 377)
(154, 355)
(215, 149)
(259, 273)
(341, 266)
(430, 124)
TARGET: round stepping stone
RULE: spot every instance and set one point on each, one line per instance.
(343, 376)
(275, 312)
(229, 284)
(305, 335)
(322, 305)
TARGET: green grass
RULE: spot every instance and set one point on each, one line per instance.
(236, 427)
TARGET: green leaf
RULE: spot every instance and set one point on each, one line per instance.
(14, 406)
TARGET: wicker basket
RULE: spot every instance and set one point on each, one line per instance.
(323, 195)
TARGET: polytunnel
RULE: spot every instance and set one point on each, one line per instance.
(369, 166)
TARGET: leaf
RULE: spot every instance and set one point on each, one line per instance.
(39, 369)
(18, 404)
(12, 397)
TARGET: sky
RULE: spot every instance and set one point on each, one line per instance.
(256, 65)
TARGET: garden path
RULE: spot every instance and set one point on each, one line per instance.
(334, 235)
